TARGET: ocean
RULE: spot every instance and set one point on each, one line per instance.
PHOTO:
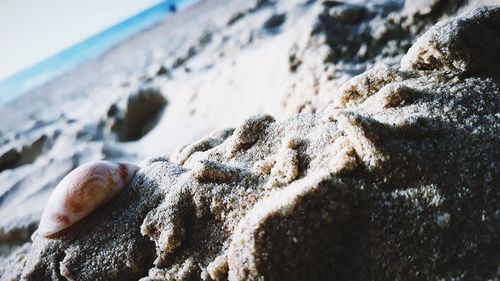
(14, 86)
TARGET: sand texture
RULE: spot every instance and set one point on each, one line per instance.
(378, 158)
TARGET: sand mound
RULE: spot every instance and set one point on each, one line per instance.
(468, 44)
(13, 157)
(396, 179)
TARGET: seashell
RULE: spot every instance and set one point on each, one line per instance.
(83, 190)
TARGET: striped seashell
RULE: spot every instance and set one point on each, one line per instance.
(82, 191)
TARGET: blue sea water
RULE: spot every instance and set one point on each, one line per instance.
(14, 86)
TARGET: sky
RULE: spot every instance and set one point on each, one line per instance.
(32, 30)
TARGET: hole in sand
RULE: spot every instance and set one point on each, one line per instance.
(143, 110)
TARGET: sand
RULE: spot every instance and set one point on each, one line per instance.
(297, 141)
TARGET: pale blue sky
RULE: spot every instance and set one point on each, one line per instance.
(32, 30)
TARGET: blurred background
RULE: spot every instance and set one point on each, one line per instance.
(54, 35)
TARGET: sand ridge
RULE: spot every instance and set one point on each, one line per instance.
(394, 178)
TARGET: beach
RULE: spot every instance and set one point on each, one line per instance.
(275, 140)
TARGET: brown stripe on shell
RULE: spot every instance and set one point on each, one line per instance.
(60, 219)
(78, 202)
(111, 180)
(76, 205)
(123, 171)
